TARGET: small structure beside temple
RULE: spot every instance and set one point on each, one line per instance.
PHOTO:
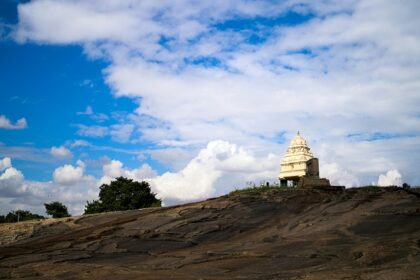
(299, 167)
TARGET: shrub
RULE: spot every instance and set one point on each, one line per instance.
(264, 186)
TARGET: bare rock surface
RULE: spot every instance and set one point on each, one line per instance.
(366, 233)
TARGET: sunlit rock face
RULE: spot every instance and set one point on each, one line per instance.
(296, 162)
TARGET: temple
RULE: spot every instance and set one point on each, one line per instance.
(299, 167)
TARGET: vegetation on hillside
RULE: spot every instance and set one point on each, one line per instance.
(263, 186)
(251, 187)
(123, 194)
(18, 216)
(56, 209)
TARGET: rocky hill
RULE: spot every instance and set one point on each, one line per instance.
(365, 233)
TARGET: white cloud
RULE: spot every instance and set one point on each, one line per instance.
(121, 132)
(92, 131)
(11, 181)
(351, 69)
(99, 117)
(69, 174)
(5, 163)
(173, 157)
(72, 188)
(202, 178)
(217, 169)
(118, 132)
(27, 153)
(79, 143)
(391, 178)
(7, 124)
(32, 195)
(61, 152)
(338, 175)
(125, 21)
(115, 169)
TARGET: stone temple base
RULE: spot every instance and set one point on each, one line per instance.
(313, 182)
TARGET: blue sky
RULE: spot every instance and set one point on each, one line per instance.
(49, 92)
(201, 97)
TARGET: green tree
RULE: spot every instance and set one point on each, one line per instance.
(56, 209)
(95, 206)
(123, 194)
(19, 215)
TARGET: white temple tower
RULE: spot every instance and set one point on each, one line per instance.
(300, 166)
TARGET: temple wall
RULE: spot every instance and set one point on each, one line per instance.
(312, 182)
(312, 168)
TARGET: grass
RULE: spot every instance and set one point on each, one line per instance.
(257, 189)
(253, 188)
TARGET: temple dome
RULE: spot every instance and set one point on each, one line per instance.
(298, 141)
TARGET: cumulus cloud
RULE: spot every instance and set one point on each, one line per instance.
(338, 175)
(346, 57)
(11, 179)
(61, 152)
(72, 188)
(217, 169)
(391, 178)
(5, 163)
(7, 124)
(115, 169)
(348, 68)
(31, 195)
(69, 174)
(173, 157)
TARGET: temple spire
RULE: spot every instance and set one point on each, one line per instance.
(294, 164)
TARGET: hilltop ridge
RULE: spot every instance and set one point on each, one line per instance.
(360, 233)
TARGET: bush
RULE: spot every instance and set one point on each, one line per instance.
(21, 215)
(56, 209)
(123, 194)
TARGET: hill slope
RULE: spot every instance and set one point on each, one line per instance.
(369, 233)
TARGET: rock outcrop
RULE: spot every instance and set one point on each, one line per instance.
(365, 233)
